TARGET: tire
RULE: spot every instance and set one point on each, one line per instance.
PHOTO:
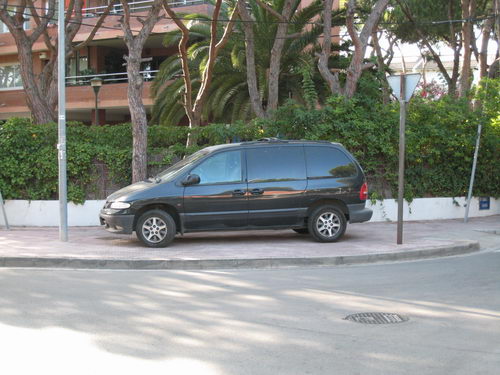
(301, 230)
(155, 228)
(327, 224)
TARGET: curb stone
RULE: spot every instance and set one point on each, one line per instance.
(457, 248)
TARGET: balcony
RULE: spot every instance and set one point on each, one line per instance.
(80, 98)
(100, 6)
(107, 78)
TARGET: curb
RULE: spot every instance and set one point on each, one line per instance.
(457, 248)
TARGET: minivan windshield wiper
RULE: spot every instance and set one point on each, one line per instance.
(173, 170)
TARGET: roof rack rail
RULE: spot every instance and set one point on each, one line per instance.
(271, 139)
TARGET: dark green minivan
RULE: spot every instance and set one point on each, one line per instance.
(310, 187)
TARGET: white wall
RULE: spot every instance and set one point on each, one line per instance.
(431, 209)
(46, 213)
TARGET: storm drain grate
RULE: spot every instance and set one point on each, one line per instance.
(377, 318)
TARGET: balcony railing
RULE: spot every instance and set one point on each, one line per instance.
(108, 78)
(137, 6)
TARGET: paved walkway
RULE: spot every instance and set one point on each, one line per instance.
(93, 247)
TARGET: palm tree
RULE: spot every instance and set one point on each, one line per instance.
(229, 98)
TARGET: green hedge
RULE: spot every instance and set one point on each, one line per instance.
(28, 155)
(440, 146)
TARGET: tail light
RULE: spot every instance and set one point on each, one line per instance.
(363, 192)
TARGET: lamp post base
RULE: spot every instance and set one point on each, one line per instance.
(100, 119)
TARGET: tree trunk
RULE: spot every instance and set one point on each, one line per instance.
(332, 79)
(137, 116)
(213, 51)
(41, 110)
(135, 41)
(253, 86)
(483, 54)
(386, 92)
(360, 42)
(276, 52)
(194, 123)
(468, 7)
(453, 80)
(194, 110)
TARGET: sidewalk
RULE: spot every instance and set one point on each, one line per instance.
(93, 247)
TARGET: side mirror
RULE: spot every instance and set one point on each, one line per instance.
(191, 179)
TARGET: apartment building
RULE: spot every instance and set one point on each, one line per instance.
(102, 58)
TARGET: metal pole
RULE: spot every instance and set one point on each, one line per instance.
(4, 213)
(96, 107)
(61, 107)
(473, 173)
(401, 172)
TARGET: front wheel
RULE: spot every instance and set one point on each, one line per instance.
(327, 224)
(155, 228)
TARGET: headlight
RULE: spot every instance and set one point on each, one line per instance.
(119, 205)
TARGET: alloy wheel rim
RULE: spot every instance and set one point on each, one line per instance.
(154, 230)
(328, 224)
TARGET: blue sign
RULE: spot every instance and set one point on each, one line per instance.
(484, 203)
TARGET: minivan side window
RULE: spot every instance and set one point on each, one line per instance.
(266, 164)
(224, 167)
(328, 162)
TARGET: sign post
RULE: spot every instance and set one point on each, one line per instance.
(402, 87)
(473, 173)
(4, 213)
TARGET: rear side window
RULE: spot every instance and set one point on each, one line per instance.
(276, 164)
(328, 162)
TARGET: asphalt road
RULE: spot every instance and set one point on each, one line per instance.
(254, 321)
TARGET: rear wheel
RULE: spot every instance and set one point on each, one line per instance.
(327, 224)
(155, 228)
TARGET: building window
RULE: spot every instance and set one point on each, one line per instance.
(78, 66)
(10, 77)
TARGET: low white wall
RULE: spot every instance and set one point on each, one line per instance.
(431, 209)
(46, 213)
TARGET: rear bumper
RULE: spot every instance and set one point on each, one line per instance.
(358, 213)
(117, 223)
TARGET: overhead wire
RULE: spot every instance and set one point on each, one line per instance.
(81, 23)
(120, 29)
(438, 22)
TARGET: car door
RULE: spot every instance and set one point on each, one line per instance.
(276, 185)
(331, 174)
(219, 200)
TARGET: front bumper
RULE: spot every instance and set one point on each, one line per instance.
(358, 213)
(117, 223)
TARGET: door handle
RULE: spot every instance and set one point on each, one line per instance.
(238, 192)
(257, 191)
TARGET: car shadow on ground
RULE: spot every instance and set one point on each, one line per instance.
(224, 238)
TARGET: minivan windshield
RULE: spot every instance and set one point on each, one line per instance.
(178, 167)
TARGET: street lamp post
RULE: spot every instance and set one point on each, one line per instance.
(61, 123)
(96, 84)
